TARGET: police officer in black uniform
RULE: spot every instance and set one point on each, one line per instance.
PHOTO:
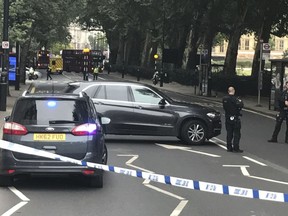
(283, 114)
(233, 106)
(49, 71)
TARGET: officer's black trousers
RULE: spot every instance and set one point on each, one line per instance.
(279, 119)
(233, 128)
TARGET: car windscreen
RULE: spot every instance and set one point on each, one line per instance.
(50, 111)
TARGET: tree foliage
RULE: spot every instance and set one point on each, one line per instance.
(184, 25)
(137, 29)
(35, 24)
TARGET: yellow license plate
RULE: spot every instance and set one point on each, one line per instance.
(50, 137)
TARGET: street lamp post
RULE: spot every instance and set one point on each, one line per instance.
(260, 74)
(162, 45)
(5, 63)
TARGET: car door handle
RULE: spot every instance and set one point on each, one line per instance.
(139, 107)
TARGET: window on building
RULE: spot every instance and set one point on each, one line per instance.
(222, 47)
(247, 44)
(281, 44)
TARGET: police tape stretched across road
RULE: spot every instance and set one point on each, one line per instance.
(164, 179)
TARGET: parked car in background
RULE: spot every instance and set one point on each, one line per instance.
(65, 124)
(139, 109)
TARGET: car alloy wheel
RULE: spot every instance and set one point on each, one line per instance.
(194, 132)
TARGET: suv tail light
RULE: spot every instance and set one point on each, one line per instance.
(85, 129)
(14, 129)
(88, 172)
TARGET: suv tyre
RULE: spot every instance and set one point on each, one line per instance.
(6, 181)
(193, 132)
(95, 181)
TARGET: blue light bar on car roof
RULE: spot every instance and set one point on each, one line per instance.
(51, 104)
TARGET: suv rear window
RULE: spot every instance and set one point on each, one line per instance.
(42, 111)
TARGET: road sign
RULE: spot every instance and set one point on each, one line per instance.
(266, 47)
(205, 52)
(266, 51)
(5, 44)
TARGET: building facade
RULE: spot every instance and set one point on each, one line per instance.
(247, 46)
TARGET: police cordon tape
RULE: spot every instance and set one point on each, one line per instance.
(164, 179)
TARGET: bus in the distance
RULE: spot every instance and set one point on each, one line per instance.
(73, 60)
(42, 59)
(96, 58)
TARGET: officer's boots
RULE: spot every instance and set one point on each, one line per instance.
(274, 139)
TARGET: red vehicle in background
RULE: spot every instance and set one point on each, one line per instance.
(43, 59)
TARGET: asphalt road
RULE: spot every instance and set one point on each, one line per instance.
(262, 166)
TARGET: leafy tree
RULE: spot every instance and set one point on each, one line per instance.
(42, 23)
(269, 18)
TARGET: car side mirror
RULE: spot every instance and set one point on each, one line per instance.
(6, 118)
(162, 103)
(105, 120)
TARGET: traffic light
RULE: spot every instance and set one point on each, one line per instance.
(86, 63)
(156, 56)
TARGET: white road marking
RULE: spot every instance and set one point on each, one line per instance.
(235, 166)
(255, 161)
(224, 147)
(242, 167)
(269, 180)
(172, 146)
(14, 209)
(177, 211)
(246, 173)
(134, 157)
(19, 194)
(147, 181)
(179, 208)
(164, 192)
(203, 153)
(188, 149)
(217, 140)
(260, 178)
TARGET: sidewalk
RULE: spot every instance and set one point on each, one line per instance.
(250, 102)
(14, 94)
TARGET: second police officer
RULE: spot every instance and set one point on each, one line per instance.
(233, 106)
(283, 114)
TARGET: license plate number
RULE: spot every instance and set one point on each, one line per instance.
(49, 137)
